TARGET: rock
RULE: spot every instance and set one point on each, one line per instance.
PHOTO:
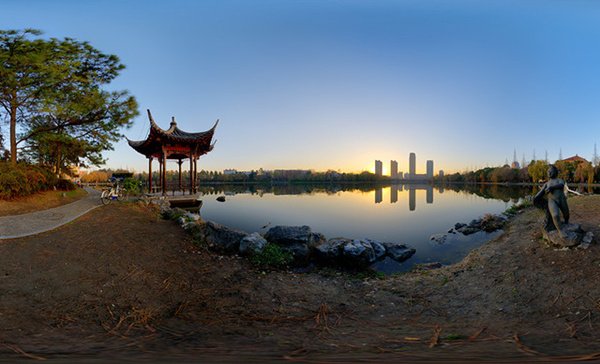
(252, 244)
(353, 253)
(468, 230)
(171, 213)
(490, 223)
(572, 236)
(192, 217)
(219, 237)
(330, 252)
(398, 252)
(475, 223)
(473, 227)
(298, 240)
(221, 198)
(588, 238)
(362, 252)
(378, 248)
(459, 225)
(358, 253)
(438, 238)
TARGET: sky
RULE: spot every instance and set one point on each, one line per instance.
(336, 84)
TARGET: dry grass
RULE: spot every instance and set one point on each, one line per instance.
(40, 201)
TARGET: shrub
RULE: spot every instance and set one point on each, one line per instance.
(132, 186)
(23, 179)
(272, 256)
(65, 185)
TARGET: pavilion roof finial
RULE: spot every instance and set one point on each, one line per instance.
(152, 122)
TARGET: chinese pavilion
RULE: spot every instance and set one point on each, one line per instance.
(174, 144)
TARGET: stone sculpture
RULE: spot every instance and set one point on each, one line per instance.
(552, 198)
(555, 203)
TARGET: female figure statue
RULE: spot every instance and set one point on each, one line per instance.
(557, 201)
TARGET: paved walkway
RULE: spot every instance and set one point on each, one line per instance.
(37, 222)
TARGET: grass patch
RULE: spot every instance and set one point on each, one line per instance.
(369, 274)
(272, 256)
(40, 201)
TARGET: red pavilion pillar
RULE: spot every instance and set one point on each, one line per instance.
(164, 173)
(150, 174)
(195, 176)
(180, 162)
(191, 173)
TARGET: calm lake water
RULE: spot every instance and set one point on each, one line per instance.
(407, 214)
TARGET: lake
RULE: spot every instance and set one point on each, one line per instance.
(407, 214)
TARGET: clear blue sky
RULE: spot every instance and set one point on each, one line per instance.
(337, 84)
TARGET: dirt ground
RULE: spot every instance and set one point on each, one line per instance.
(120, 283)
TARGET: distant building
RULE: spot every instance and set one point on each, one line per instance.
(290, 173)
(515, 164)
(429, 169)
(441, 173)
(412, 168)
(229, 171)
(378, 168)
(575, 158)
(394, 169)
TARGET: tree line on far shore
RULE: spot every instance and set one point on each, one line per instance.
(255, 176)
(535, 172)
(571, 171)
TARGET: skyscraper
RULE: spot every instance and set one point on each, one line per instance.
(429, 169)
(394, 169)
(412, 165)
(378, 168)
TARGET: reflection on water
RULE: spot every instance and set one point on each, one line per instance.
(412, 195)
(408, 213)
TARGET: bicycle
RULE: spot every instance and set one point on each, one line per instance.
(114, 193)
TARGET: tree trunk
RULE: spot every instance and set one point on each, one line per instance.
(58, 162)
(13, 133)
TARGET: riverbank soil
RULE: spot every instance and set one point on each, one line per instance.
(120, 283)
(40, 201)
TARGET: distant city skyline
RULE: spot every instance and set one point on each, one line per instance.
(338, 84)
(412, 168)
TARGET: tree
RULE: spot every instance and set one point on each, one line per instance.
(566, 170)
(75, 128)
(584, 172)
(22, 77)
(537, 170)
(53, 91)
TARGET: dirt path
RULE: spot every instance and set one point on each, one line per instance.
(119, 283)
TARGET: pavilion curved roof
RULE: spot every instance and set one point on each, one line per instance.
(178, 143)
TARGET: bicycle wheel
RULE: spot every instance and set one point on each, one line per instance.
(122, 196)
(105, 197)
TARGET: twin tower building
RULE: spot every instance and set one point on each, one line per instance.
(412, 168)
